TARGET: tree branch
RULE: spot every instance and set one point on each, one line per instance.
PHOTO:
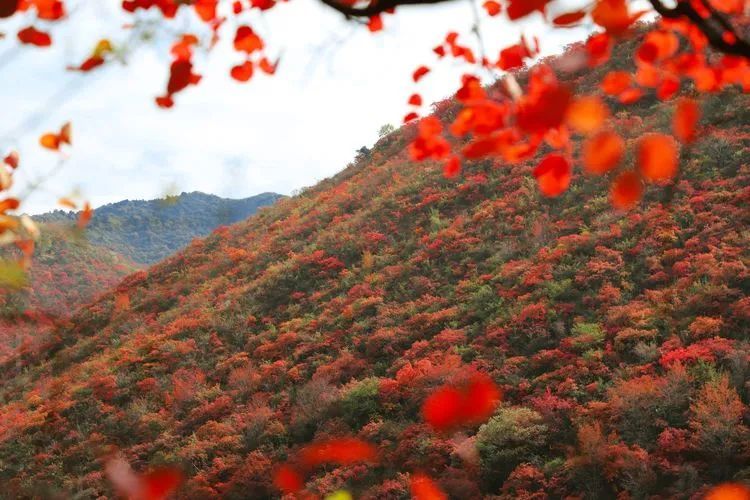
(714, 27)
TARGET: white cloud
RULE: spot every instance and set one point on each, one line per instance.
(336, 85)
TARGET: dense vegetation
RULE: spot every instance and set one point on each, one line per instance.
(66, 272)
(619, 340)
(148, 231)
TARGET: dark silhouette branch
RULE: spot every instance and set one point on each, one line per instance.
(715, 27)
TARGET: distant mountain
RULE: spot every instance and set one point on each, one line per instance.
(147, 231)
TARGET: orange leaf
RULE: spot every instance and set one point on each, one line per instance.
(64, 134)
(587, 114)
(85, 216)
(729, 491)
(553, 175)
(657, 157)
(67, 202)
(9, 204)
(686, 118)
(50, 141)
(626, 190)
(616, 82)
(602, 152)
(492, 7)
(267, 66)
(245, 40)
(613, 15)
(424, 488)
(242, 72)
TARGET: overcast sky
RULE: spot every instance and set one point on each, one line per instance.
(336, 85)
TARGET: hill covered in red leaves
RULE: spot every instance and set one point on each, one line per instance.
(66, 272)
(618, 340)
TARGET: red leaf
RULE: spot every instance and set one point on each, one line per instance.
(449, 407)
(616, 82)
(569, 18)
(657, 157)
(452, 167)
(626, 190)
(32, 36)
(420, 72)
(415, 100)
(343, 451)
(245, 40)
(442, 409)
(492, 7)
(522, 8)
(267, 66)
(375, 23)
(553, 175)
(686, 118)
(602, 152)
(242, 72)
(89, 64)
(599, 48)
(159, 484)
(424, 488)
(288, 480)
(12, 159)
(411, 116)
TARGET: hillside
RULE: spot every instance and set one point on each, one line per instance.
(148, 231)
(66, 272)
(619, 340)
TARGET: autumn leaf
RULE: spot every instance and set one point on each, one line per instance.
(602, 152)
(343, 451)
(492, 7)
(686, 117)
(32, 36)
(587, 114)
(657, 157)
(553, 175)
(419, 73)
(569, 18)
(288, 480)
(626, 190)
(422, 487)
(12, 275)
(729, 491)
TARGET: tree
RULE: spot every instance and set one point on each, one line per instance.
(512, 437)
(385, 130)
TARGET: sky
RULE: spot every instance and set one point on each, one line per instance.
(336, 85)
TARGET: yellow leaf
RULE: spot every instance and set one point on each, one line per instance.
(12, 275)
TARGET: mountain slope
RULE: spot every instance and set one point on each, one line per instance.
(148, 231)
(620, 340)
(66, 272)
